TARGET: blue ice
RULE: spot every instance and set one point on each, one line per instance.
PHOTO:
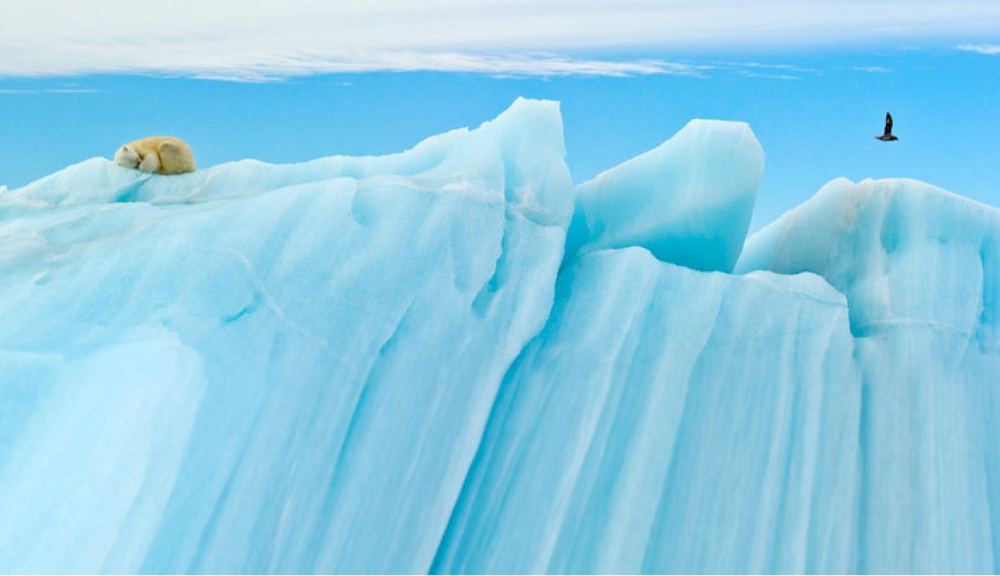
(452, 359)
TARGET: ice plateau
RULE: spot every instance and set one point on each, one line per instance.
(453, 360)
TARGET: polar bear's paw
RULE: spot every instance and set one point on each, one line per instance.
(151, 163)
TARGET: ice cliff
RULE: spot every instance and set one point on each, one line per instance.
(453, 360)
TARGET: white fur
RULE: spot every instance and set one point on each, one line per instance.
(151, 163)
(127, 157)
(159, 154)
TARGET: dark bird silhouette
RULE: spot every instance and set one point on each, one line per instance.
(887, 136)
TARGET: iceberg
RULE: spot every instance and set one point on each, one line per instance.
(453, 360)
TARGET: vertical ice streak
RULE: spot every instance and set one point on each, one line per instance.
(451, 360)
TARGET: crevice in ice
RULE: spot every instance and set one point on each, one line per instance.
(583, 470)
(507, 392)
(669, 452)
(486, 294)
(243, 311)
(682, 437)
(874, 327)
(626, 413)
(361, 211)
(316, 556)
(988, 329)
(130, 192)
(393, 339)
(864, 480)
(810, 565)
(470, 484)
(784, 441)
(891, 225)
(326, 516)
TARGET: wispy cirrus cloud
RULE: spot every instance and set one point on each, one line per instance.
(988, 49)
(268, 39)
(513, 65)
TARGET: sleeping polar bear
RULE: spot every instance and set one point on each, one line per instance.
(160, 154)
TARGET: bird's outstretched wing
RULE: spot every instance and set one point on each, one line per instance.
(888, 124)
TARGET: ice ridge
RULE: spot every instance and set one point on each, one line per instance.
(452, 360)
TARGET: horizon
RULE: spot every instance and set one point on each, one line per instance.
(813, 85)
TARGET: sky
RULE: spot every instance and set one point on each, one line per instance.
(300, 79)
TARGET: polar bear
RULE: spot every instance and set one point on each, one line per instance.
(160, 154)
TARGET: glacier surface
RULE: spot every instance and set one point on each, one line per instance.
(454, 360)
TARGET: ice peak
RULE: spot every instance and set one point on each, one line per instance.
(688, 201)
(891, 246)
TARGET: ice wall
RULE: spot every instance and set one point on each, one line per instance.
(450, 360)
(263, 368)
(669, 420)
(921, 272)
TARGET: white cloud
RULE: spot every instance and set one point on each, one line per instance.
(988, 49)
(263, 39)
(268, 69)
(872, 69)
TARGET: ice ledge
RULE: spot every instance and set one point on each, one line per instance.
(905, 253)
(522, 148)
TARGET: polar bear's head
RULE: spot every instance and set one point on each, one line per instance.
(127, 157)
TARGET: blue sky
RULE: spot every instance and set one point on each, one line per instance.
(292, 81)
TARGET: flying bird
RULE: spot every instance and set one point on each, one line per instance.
(887, 136)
